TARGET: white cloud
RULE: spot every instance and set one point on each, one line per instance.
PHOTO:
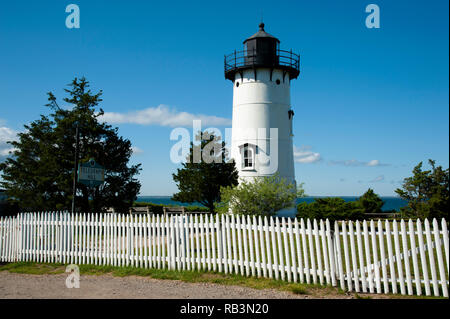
(356, 163)
(136, 150)
(163, 116)
(378, 179)
(6, 134)
(5, 151)
(373, 163)
(304, 155)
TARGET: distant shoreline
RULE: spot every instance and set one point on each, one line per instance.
(318, 196)
(391, 202)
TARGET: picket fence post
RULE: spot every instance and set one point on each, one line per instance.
(431, 258)
(286, 250)
(257, 252)
(346, 256)
(234, 244)
(375, 256)
(437, 241)
(383, 257)
(299, 254)
(354, 260)
(292, 250)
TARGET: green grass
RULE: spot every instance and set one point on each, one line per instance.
(299, 291)
(33, 269)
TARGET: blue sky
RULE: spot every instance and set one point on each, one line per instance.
(369, 104)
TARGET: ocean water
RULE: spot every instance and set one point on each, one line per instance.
(390, 202)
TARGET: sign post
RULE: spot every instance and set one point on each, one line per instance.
(91, 173)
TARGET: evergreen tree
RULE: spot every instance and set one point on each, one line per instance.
(427, 192)
(370, 202)
(39, 173)
(200, 180)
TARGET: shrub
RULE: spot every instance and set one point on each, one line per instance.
(335, 208)
(263, 196)
(332, 208)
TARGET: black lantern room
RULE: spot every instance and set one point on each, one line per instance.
(262, 50)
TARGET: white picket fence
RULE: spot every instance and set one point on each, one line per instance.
(372, 257)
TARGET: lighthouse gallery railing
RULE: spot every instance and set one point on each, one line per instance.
(245, 58)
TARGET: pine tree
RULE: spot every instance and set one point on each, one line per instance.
(200, 181)
(39, 173)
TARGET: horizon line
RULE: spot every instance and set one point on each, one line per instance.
(301, 197)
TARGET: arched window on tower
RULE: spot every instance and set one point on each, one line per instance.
(248, 156)
(291, 116)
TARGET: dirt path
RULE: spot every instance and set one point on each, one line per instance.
(53, 286)
(14, 285)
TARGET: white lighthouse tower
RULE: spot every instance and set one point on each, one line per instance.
(261, 142)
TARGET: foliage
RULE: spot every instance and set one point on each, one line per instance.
(332, 208)
(263, 196)
(301, 191)
(336, 208)
(39, 174)
(427, 192)
(370, 202)
(200, 181)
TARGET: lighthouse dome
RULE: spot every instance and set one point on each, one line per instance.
(262, 34)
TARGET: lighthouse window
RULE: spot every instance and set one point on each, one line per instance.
(248, 160)
(237, 84)
(278, 81)
(291, 116)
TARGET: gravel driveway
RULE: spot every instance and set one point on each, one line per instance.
(14, 285)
